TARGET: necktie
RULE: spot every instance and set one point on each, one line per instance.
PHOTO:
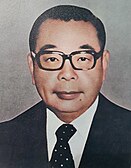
(61, 155)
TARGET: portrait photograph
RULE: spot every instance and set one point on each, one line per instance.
(65, 92)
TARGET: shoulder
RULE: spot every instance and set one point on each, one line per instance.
(114, 118)
(113, 123)
(27, 117)
(22, 128)
(22, 132)
(109, 106)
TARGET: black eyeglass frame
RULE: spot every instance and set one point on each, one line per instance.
(36, 56)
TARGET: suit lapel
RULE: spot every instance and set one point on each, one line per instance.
(103, 147)
(98, 140)
(39, 147)
(93, 141)
(29, 146)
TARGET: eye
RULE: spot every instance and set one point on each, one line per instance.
(83, 59)
(51, 59)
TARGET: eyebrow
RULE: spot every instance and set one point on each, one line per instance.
(86, 46)
(47, 46)
(50, 46)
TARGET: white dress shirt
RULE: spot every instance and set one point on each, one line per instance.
(78, 140)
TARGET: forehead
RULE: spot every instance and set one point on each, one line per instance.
(71, 33)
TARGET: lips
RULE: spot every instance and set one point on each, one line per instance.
(67, 95)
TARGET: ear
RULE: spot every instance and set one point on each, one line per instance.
(31, 67)
(105, 62)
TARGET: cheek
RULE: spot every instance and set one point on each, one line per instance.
(44, 82)
(91, 80)
(43, 77)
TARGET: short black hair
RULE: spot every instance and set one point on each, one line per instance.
(67, 13)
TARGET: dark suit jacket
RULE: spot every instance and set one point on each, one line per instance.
(23, 141)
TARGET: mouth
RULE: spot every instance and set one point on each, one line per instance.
(64, 95)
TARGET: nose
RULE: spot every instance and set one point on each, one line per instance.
(67, 73)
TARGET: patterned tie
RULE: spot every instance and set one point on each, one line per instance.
(61, 155)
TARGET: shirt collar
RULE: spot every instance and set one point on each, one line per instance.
(82, 123)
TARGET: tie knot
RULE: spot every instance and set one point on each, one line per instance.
(65, 132)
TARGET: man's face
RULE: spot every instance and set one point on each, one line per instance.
(68, 92)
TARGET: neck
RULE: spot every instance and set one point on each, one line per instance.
(68, 117)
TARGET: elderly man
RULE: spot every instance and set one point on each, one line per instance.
(74, 125)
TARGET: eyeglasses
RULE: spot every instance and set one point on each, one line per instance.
(54, 60)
